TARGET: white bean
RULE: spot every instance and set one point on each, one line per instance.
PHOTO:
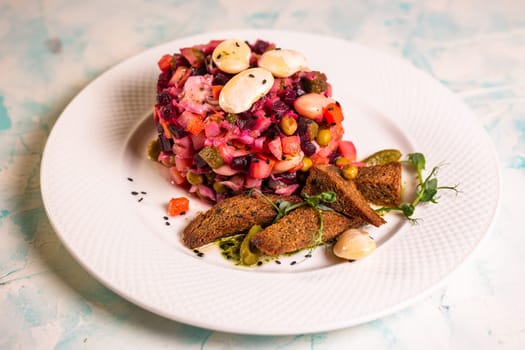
(246, 87)
(232, 56)
(282, 63)
(311, 105)
(354, 244)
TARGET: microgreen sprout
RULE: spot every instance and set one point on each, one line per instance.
(283, 207)
(426, 190)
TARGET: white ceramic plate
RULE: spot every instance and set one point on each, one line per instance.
(106, 201)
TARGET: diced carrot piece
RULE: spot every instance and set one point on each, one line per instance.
(216, 91)
(196, 126)
(178, 206)
(318, 159)
(165, 62)
(167, 131)
(333, 113)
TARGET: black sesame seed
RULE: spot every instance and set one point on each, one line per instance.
(237, 44)
(200, 254)
(308, 256)
(130, 179)
(218, 56)
(167, 223)
(165, 217)
(259, 263)
(140, 199)
(143, 192)
(277, 48)
(351, 261)
(251, 75)
(183, 213)
(196, 251)
(293, 262)
(134, 193)
(277, 262)
(264, 81)
(239, 215)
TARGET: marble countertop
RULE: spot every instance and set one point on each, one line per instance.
(50, 50)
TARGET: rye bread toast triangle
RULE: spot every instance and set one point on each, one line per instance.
(349, 200)
(381, 184)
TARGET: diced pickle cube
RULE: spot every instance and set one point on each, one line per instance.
(211, 156)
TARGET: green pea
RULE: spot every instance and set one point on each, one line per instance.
(349, 171)
(324, 137)
(288, 125)
(219, 188)
(194, 179)
(153, 150)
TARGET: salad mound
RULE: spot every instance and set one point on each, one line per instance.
(233, 116)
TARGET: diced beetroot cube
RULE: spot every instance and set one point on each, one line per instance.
(276, 148)
(183, 164)
(183, 147)
(194, 56)
(258, 144)
(291, 144)
(198, 140)
(261, 124)
(185, 118)
(176, 176)
(347, 150)
(261, 168)
(180, 76)
(212, 129)
(252, 182)
(225, 170)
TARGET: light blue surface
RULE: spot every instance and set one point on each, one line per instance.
(50, 50)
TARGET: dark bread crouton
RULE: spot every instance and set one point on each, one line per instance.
(229, 217)
(298, 230)
(381, 184)
(349, 200)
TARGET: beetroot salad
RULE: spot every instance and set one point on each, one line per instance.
(233, 116)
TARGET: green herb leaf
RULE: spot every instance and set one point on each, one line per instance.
(283, 207)
(328, 197)
(429, 191)
(426, 190)
(417, 160)
(408, 209)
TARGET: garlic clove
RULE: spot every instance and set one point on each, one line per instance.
(354, 244)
